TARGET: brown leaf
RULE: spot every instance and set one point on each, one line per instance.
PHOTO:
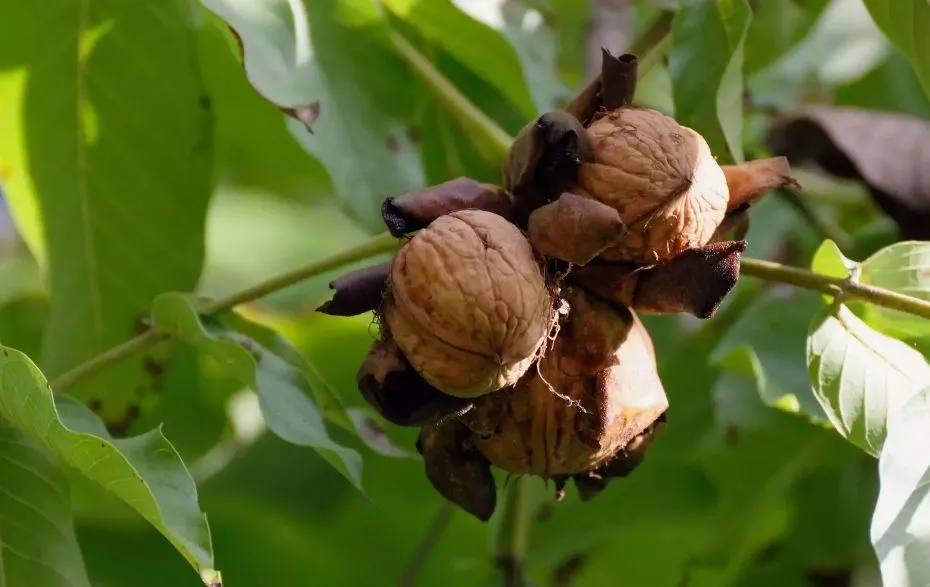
(392, 387)
(357, 292)
(416, 210)
(889, 152)
(456, 470)
(574, 228)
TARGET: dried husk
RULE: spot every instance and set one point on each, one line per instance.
(395, 390)
(574, 229)
(595, 392)
(416, 210)
(468, 305)
(662, 179)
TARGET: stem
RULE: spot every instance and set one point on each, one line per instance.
(381, 243)
(514, 533)
(430, 538)
(835, 286)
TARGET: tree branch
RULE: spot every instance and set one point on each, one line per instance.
(376, 245)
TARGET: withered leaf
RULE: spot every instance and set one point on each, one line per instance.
(889, 152)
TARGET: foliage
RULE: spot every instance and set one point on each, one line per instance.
(155, 163)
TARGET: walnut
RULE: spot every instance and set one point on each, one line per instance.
(595, 392)
(468, 304)
(662, 179)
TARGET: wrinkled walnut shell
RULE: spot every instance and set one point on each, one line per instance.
(662, 179)
(469, 306)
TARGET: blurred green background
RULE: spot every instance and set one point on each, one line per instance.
(733, 493)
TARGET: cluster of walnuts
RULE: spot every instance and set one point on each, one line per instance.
(509, 331)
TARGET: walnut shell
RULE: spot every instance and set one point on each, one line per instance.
(468, 303)
(662, 179)
(604, 363)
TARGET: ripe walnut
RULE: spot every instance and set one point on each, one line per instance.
(468, 304)
(662, 179)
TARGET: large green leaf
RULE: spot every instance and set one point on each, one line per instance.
(37, 542)
(475, 44)
(860, 376)
(284, 391)
(907, 24)
(706, 65)
(535, 40)
(334, 62)
(776, 28)
(144, 471)
(903, 267)
(901, 522)
(106, 135)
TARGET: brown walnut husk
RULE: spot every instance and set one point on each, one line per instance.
(468, 304)
(595, 392)
(662, 179)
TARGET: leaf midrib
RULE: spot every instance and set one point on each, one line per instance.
(96, 303)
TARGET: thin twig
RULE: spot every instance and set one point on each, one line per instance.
(436, 527)
(376, 245)
(514, 533)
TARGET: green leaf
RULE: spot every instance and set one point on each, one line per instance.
(829, 260)
(907, 25)
(339, 57)
(37, 541)
(284, 392)
(706, 61)
(144, 471)
(476, 45)
(860, 376)
(903, 267)
(535, 41)
(356, 421)
(901, 522)
(106, 135)
(776, 28)
(741, 386)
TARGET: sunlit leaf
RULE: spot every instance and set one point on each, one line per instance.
(903, 267)
(333, 65)
(829, 260)
(144, 471)
(860, 376)
(475, 44)
(106, 139)
(38, 545)
(706, 64)
(907, 24)
(901, 521)
(284, 392)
